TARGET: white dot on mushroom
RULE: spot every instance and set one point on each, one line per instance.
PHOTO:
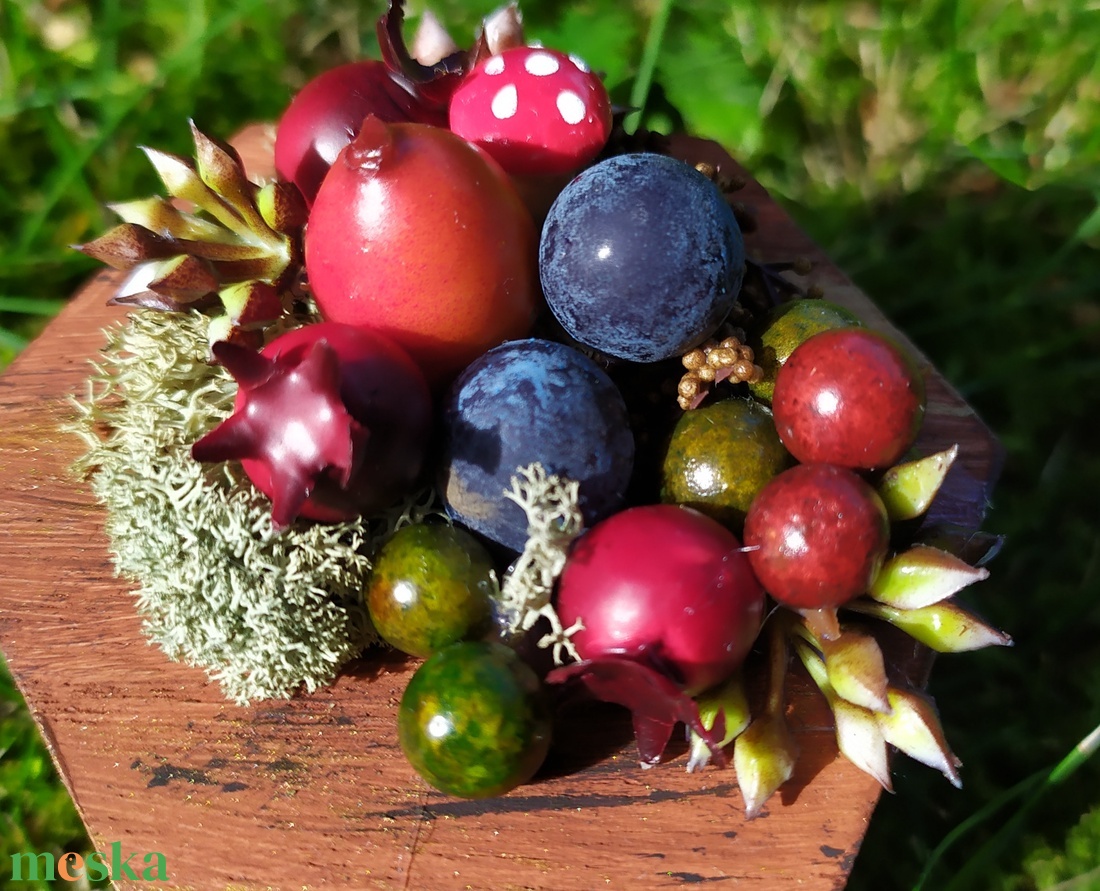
(495, 65)
(541, 64)
(580, 63)
(571, 107)
(505, 102)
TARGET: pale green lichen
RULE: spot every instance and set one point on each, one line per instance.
(551, 504)
(263, 612)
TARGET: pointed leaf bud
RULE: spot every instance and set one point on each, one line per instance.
(943, 627)
(127, 245)
(764, 757)
(857, 734)
(914, 727)
(908, 489)
(252, 303)
(727, 699)
(163, 217)
(219, 166)
(922, 576)
(185, 278)
(431, 42)
(183, 182)
(282, 206)
(860, 739)
(503, 29)
(856, 671)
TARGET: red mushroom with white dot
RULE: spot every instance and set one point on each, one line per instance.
(534, 110)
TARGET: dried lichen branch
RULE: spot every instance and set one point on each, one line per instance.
(551, 504)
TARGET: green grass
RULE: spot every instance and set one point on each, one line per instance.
(945, 155)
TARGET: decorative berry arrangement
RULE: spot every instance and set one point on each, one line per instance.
(392, 397)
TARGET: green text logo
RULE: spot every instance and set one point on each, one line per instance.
(97, 866)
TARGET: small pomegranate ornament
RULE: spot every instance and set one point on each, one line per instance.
(419, 235)
(329, 422)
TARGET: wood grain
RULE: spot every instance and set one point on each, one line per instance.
(314, 792)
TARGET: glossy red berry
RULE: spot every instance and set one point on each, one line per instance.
(816, 536)
(329, 422)
(849, 396)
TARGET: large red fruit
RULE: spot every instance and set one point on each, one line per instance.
(816, 536)
(848, 396)
(420, 235)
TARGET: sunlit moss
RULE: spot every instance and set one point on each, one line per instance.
(263, 612)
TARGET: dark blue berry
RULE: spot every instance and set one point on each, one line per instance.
(641, 257)
(526, 401)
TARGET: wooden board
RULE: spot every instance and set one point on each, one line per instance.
(314, 792)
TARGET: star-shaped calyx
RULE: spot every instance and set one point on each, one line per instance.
(290, 428)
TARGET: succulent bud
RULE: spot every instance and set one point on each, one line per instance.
(943, 627)
(858, 735)
(908, 489)
(855, 669)
(914, 727)
(860, 738)
(240, 244)
(728, 700)
(921, 577)
(764, 757)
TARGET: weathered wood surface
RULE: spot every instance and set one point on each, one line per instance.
(314, 792)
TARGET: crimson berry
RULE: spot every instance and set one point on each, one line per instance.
(816, 536)
(849, 396)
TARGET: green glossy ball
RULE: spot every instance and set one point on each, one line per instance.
(431, 586)
(474, 720)
(719, 456)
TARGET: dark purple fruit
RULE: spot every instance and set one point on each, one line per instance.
(641, 257)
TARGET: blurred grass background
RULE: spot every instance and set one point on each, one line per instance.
(945, 154)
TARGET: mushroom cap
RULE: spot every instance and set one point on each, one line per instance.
(535, 110)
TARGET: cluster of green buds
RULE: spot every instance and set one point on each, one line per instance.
(219, 243)
(914, 592)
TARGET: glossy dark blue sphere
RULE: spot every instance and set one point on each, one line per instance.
(641, 257)
(526, 401)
